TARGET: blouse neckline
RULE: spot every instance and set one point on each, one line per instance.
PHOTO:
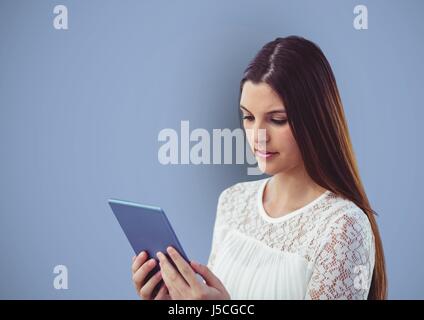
(288, 215)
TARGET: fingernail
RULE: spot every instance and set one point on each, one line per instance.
(171, 250)
(152, 262)
(159, 255)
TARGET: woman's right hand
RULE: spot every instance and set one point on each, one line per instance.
(140, 269)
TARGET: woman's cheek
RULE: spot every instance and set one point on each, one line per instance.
(293, 152)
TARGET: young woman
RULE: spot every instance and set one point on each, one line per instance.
(305, 232)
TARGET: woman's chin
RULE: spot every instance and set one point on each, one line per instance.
(266, 167)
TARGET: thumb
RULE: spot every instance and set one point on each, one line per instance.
(206, 273)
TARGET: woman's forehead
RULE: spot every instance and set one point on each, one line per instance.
(260, 97)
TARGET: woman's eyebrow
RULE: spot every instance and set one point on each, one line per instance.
(269, 112)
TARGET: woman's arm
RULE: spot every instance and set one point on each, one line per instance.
(344, 265)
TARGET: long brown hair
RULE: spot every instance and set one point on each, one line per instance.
(300, 74)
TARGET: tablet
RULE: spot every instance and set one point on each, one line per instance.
(147, 228)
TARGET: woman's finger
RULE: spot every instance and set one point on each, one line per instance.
(140, 275)
(210, 278)
(184, 268)
(163, 293)
(174, 281)
(138, 261)
(147, 290)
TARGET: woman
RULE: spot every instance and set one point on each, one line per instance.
(306, 232)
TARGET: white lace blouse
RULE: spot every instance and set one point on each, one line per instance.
(324, 250)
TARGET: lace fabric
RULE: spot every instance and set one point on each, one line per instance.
(331, 235)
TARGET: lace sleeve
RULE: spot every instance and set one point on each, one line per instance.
(219, 229)
(345, 262)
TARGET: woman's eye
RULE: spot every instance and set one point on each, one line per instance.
(248, 118)
(279, 121)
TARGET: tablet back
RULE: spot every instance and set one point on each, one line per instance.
(146, 227)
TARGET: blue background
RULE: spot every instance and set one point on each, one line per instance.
(81, 109)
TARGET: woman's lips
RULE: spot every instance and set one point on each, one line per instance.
(265, 155)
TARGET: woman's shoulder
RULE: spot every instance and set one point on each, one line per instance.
(237, 196)
(346, 221)
(345, 209)
(242, 189)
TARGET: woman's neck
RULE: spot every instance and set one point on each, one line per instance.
(290, 190)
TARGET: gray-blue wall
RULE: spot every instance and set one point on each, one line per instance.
(81, 109)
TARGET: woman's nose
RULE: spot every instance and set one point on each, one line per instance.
(261, 136)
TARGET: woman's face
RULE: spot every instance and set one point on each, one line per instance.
(275, 147)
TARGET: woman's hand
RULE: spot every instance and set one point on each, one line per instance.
(140, 269)
(182, 283)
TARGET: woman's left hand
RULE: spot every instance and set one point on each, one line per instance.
(182, 284)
